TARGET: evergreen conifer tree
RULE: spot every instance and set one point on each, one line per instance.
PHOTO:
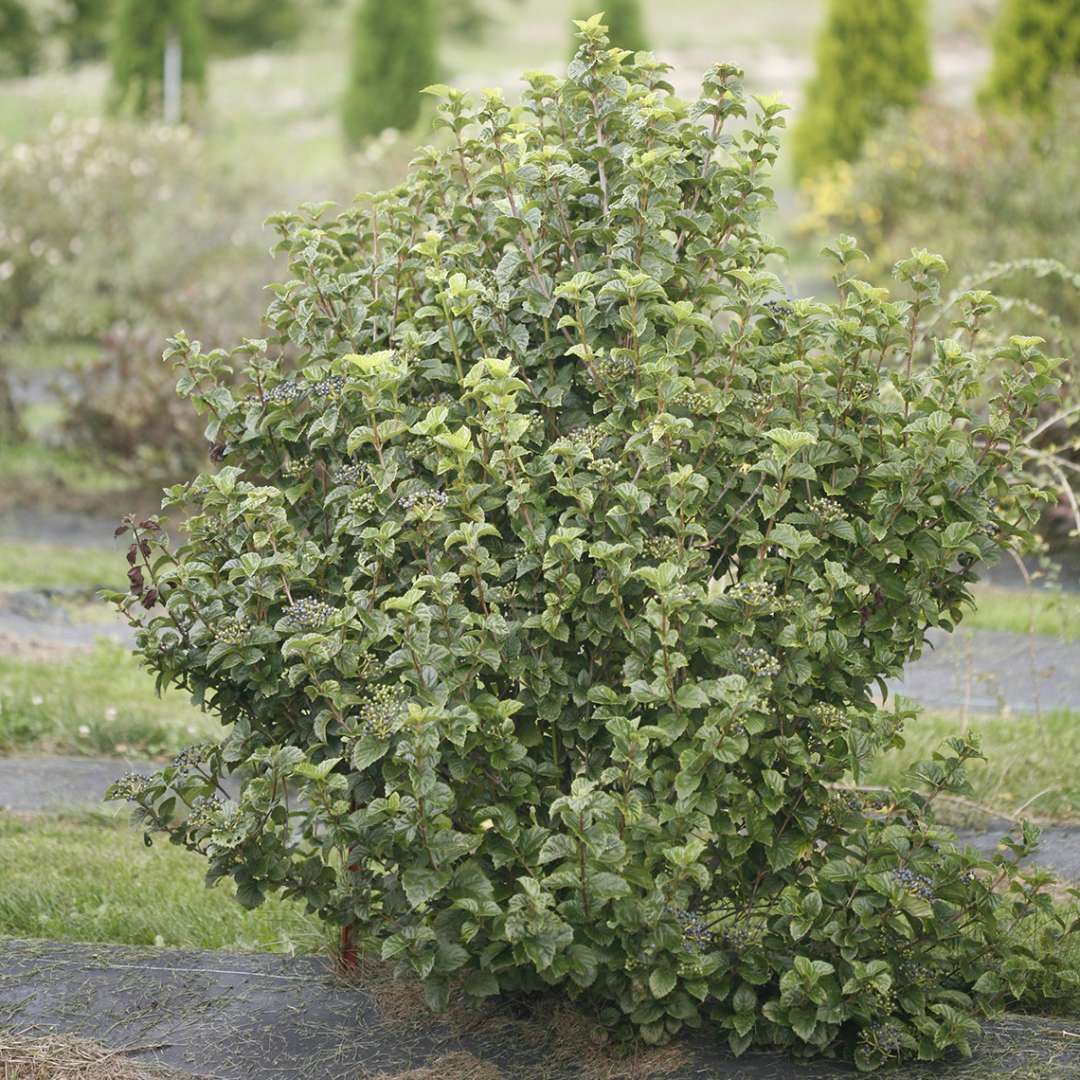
(624, 20)
(872, 56)
(141, 33)
(393, 59)
(1035, 42)
(238, 26)
(20, 39)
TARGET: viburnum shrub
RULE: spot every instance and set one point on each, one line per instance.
(545, 599)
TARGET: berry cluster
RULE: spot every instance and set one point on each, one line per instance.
(829, 717)
(695, 401)
(697, 937)
(191, 756)
(425, 501)
(605, 466)
(758, 661)
(285, 393)
(779, 309)
(331, 386)
(309, 612)
(837, 807)
(661, 548)
(232, 630)
(884, 1037)
(350, 474)
(381, 714)
(613, 369)
(297, 469)
(826, 510)
(738, 936)
(586, 437)
(917, 884)
(363, 502)
(132, 786)
(431, 400)
(912, 973)
(206, 812)
(754, 594)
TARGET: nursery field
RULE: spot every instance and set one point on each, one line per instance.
(117, 233)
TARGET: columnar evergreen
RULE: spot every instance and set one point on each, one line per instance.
(624, 20)
(20, 39)
(238, 26)
(1035, 42)
(393, 59)
(872, 56)
(141, 32)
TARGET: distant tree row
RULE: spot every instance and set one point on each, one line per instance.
(873, 56)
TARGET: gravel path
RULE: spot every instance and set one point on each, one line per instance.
(988, 670)
(37, 620)
(251, 1017)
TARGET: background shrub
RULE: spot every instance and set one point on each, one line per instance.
(112, 235)
(949, 177)
(872, 56)
(559, 575)
(1035, 42)
(140, 31)
(393, 59)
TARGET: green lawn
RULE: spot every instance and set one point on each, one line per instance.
(91, 878)
(1032, 762)
(1026, 611)
(26, 566)
(43, 472)
(98, 703)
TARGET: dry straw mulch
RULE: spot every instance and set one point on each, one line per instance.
(65, 1057)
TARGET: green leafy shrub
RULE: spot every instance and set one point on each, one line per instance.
(872, 56)
(141, 29)
(1035, 42)
(555, 580)
(393, 59)
(624, 20)
(949, 177)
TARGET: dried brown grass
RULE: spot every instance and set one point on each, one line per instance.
(456, 1066)
(65, 1057)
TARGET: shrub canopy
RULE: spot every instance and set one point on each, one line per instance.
(872, 56)
(560, 574)
(393, 59)
(624, 20)
(1035, 43)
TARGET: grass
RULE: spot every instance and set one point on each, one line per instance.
(89, 877)
(32, 467)
(1026, 611)
(29, 566)
(101, 703)
(1033, 763)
